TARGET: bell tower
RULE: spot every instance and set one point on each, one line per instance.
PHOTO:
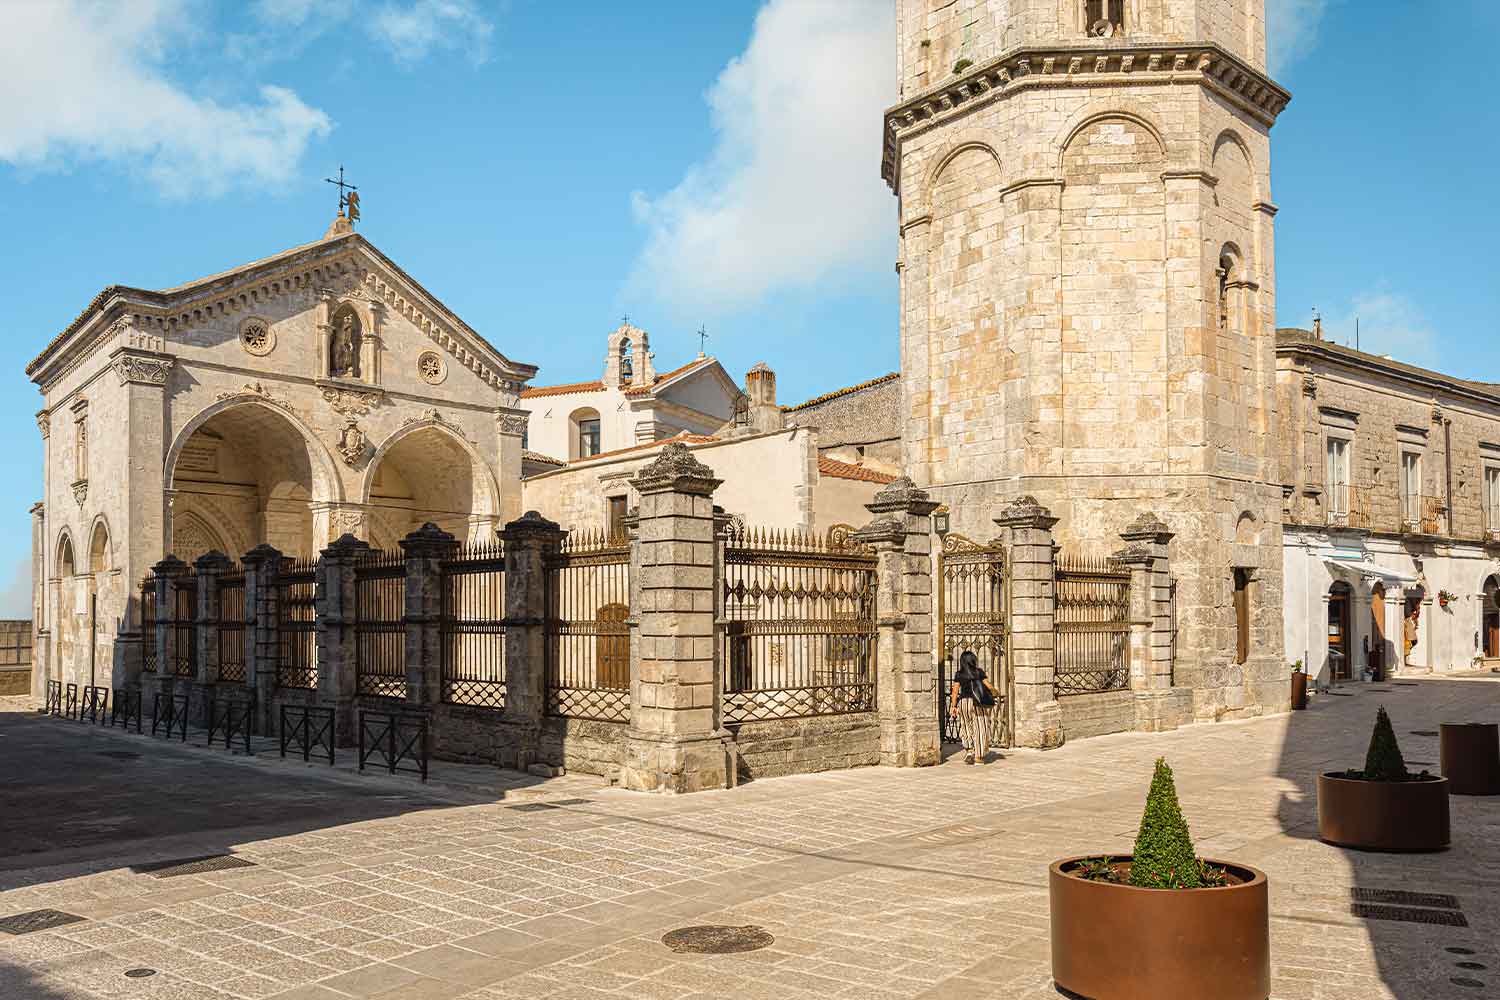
(1088, 292)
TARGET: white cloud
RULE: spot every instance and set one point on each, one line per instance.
(1389, 323)
(414, 30)
(1291, 30)
(792, 192)
(86, 80)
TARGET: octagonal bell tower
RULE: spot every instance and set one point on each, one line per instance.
(1087, 292)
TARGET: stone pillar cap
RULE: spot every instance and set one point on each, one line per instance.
(346, 545)
(212, 561)
(427, 540)
(1025, 512)
(1133, 554)
(902, 496)
(886, 530)
(262, 553)
(677, 470)
(1147, 528)
(530, 524)
(170, 566)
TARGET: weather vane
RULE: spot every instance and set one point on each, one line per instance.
(348, 203)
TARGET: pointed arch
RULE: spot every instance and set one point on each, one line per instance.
(65, 562)
(101, 552)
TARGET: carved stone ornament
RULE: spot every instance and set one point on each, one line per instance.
(676, 468)
(1025, 512)
(904, 496)
(345, 522)
(142, 370)
(257, 391)
(1309, 386)
(81, 491)
(430, 416)
(352, 444)
(431, 367)
(44, 423)
(257, 337)
(350, 402)
(513, 424)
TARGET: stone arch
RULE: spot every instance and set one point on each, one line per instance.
(101, 555)
(1247, 529)
(1227, 168)
(427, 471)
(193, 536)
(1114, 109)
(1489, 616)
(576, 421)
(65, 562)
(327, 487)
(965, 139)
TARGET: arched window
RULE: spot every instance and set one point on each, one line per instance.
(1104, 18)
(585, 426)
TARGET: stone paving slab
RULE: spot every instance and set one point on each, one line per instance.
(876, 883)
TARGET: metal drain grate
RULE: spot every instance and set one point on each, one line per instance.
(37, 920)
(192, 866)
(1404, 898)
(1408, 914)
(716, 939)
(531, 807)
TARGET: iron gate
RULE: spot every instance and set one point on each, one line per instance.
(587, 635)
(973, 617)
(473, 623)
(1093, 627)
(232, 626)
(380, 625)
(185, 627)
(297, 625)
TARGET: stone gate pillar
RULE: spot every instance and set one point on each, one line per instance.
(336, 617)
(1026, 528)
(425, 549)
(1159, 706)
(906, 685)
(529, 540)
(208, 568)
(263, 620)
(675, 742)
(168, 573)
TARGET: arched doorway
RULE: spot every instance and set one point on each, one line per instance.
(1377, 631)
(67, 611)
(1339, 658)
(100, 595)
(245, 472)
(427, 473)
(1489, 618)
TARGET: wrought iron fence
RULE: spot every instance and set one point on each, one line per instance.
(306, 728)
(473, 626)
(70, 701)
(94, 705)
(973, 614)
(232, 626)
(799, 626)
(399, 740)
(54, 698)
(149, 625)
(169, 715)
(230, 718)
(1092, 626)
(184, 627)
(380, 625)
(297, 624)
(126, 706)
(1172, 621)
(587, 638)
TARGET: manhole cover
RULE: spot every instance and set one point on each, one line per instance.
(1456, 950)
(1402, 896)
(1408, 914)
(139, 973)
(717, 939)
(192, 866)
(572, 802)
(1474, 966)
(37, 920)
(531, 807)
(119, 754)
(1466, 981)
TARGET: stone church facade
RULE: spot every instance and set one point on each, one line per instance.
(317, 392)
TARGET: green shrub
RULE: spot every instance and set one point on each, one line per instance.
(1164, 855)
(1383, 761)
(962, 65)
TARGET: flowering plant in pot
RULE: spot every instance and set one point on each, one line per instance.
(1383, 806)
(1446, 597)
(1160, 921)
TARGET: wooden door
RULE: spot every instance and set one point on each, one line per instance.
(1377, 631)
(1338, 634)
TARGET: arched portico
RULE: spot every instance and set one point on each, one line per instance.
(424, 472)
(245, 471)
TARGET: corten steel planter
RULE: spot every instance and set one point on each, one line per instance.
(1383, 815)
(1120, 942)
(1299, 690)
(1470, 757)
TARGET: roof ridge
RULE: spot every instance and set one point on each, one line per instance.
(836, 393)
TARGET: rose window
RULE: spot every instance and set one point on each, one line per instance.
(256, 337)
(430, 366)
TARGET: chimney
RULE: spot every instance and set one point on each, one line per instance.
(760, 386)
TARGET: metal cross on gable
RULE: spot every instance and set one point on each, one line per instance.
(702, 337)
(341, 184)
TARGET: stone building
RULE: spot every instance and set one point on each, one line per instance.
(858, 424)
(1088, 290)
(1392, 512)
(316, 392)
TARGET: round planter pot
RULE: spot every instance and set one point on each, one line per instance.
(1383, 815)
(1118, 942)
(1299, 690)
(1470, 757)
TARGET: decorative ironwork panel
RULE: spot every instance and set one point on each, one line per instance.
(149, 625)
(297, 625)
(380, 625)
(473, 627)
(126, 706)
(587, 637)
(306, 728)
(54, 698)
(398, 741)
(1172, 613)
(184, 627)
(232, 627)
(799, 626)
(1093, 627)
(973, 617)
(95, 705)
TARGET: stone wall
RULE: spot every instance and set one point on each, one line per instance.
(859, 424)
(802, 746)
(15, 657)
(1085, 715)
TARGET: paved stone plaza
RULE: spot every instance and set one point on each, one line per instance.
(876, 883)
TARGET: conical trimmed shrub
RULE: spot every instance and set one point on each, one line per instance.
(1383, 761)
(1164, 855)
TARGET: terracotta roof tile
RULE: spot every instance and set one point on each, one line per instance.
(561, 390)
(843, 470)
(835, 394)
(536, 456)
(642, 390)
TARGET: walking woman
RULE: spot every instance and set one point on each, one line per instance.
(972, 701)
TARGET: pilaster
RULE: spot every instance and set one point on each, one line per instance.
(208, 568)
(1159, 706)
(335, 601)
(529, 541)
(425, 549)
(263, 650)
(168, 576)
(1026, 530)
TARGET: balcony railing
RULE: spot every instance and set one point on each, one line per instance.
(1348, 506)
(1423, 515)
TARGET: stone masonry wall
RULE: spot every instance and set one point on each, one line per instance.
(15, 657)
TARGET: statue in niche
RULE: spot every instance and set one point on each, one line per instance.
(343, 352)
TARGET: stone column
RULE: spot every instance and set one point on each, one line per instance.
(529, 540)
(675, 742)
(905, 690)
(169, 573)
(336, 615)
(425, 549)
(208, 568)
(1026, 528)
(1159, 706)
(263, 620)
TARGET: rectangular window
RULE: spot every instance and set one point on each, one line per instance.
(1411, 487)
(616, 516)
(588, 438)
(1241, 615)
(1492, 499)
(1338, 475)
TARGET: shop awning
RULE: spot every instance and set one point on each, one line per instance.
(1355, 571)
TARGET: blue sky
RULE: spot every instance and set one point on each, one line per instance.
(545, 168)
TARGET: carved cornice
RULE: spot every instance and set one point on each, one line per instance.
(142, 369)
(350, 402)
(254, 390)
(512, 423)
(1070, 66)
